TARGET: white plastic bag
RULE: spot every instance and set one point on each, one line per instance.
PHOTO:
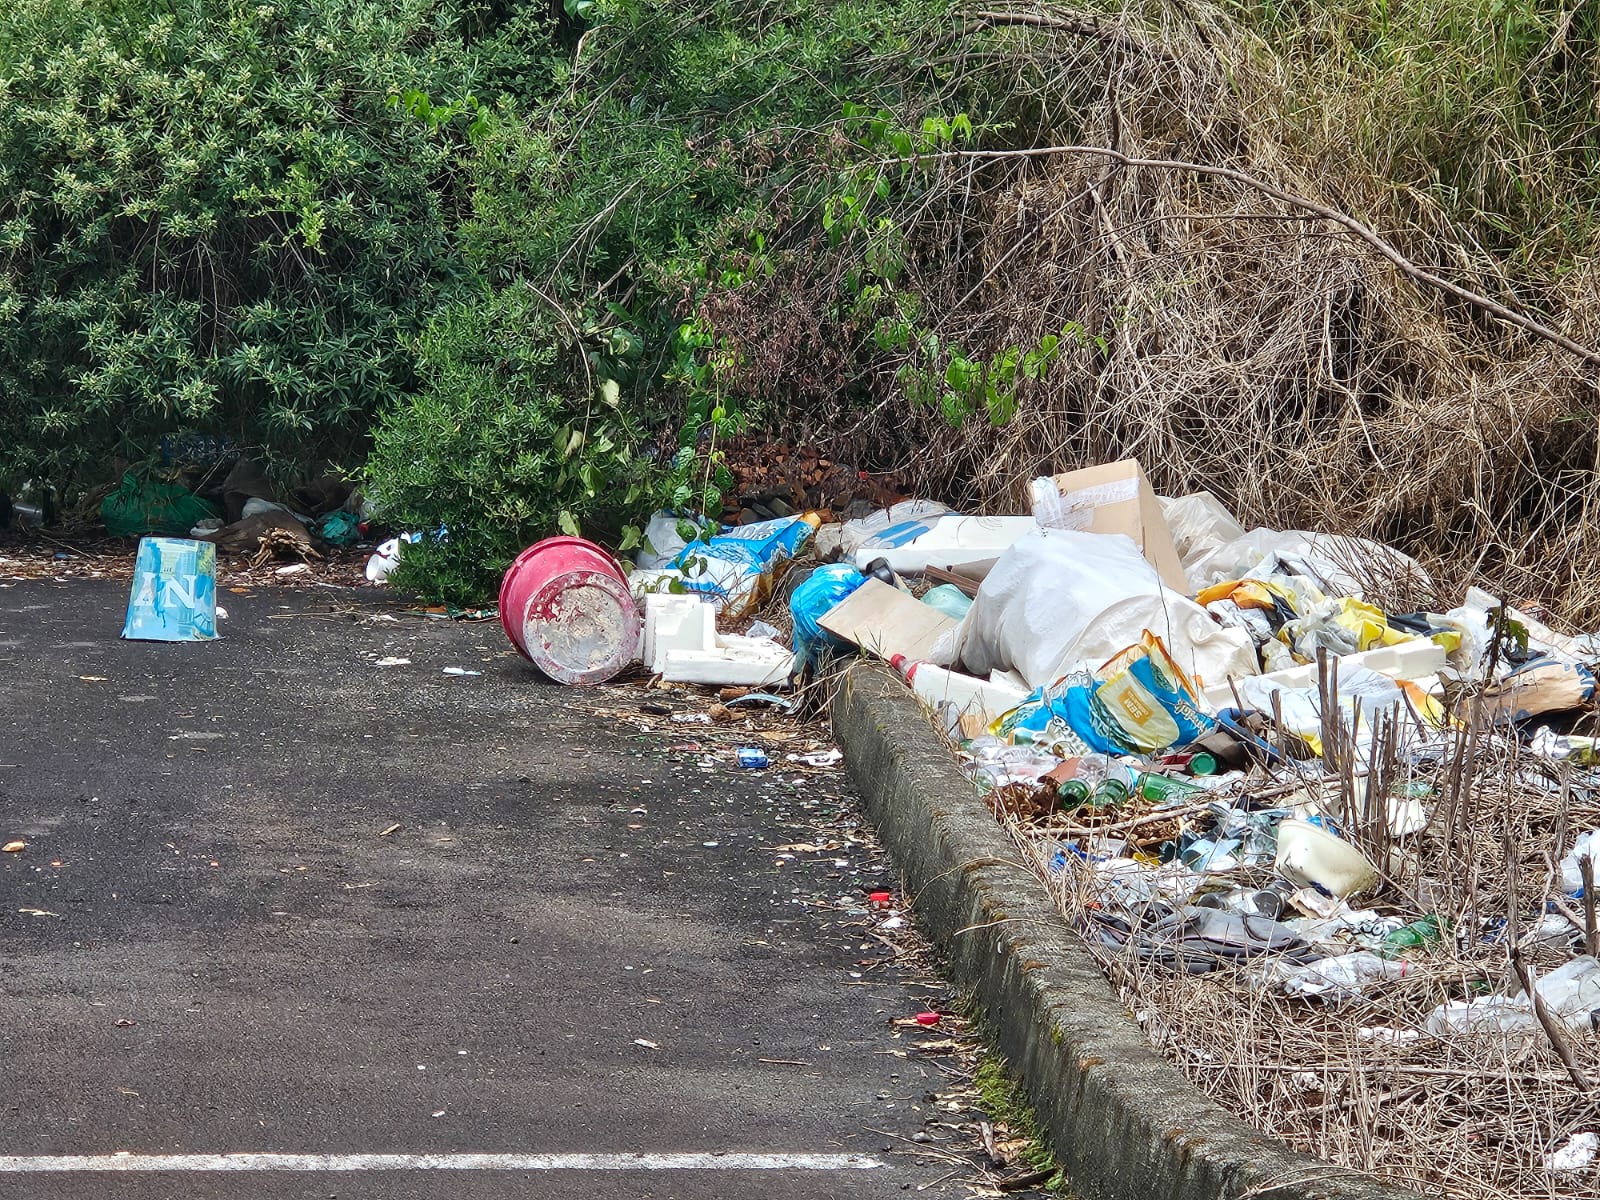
(1061, 599)
(1199, 524)
(662, 542)
(1341, 566)
(1587, 846)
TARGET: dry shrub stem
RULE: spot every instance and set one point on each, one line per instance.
(1409, 268)
(1357, 1082)
(1209, 230)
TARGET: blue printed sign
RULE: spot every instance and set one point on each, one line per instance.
(174, 591)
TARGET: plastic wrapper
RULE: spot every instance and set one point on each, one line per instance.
(1137, 703)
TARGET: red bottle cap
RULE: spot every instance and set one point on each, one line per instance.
(927, 1018)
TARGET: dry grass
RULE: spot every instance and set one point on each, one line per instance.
(1467, 1117)
(1233, 342)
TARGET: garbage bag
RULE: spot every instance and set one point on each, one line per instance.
(1340, 566)
(662, 541)
(1063, 600)
(814, 599)
(1199, 524)
(151, 506)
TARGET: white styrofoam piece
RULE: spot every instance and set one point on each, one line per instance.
(683, 623)
(1417, 662)
(1009, 679)
(937, 685)
(733, 662)
(952, 541)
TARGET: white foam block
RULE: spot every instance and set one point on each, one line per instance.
(682, 623)
(733, 662)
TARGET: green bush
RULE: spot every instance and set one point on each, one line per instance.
(671, 136)
(212, 218)
(505, 444)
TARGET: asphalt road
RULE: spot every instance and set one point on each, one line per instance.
(575, 940)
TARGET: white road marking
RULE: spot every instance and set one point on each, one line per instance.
(13, 1163)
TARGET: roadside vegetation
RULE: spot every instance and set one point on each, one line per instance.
(527, 266)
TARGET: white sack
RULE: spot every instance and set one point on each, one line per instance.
(1342, 566)
(1062, 599)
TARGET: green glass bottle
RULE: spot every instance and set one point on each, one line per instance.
(1072, 793)
(1109, 792)
(1429, 931)
(1164, 789)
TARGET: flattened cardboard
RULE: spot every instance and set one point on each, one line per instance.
(885, 621)
(1117, 498)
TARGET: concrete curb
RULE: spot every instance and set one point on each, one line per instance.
(1124, 1122)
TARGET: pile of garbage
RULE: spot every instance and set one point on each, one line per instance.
(1329, 845)
(1314, 839)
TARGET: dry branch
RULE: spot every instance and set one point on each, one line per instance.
(1344, 220)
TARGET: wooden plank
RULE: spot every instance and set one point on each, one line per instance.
(967, 585)
(885, 621)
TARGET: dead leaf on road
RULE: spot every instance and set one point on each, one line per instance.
(14, 847)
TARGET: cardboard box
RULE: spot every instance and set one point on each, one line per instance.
(1114, 498)
(885, 621)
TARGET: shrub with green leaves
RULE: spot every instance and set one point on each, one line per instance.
(212, 218)
(505, 443)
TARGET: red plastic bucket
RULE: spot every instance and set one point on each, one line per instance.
(566, 606)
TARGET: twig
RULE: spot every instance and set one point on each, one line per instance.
(1017, 1182)
(1150, 818)
(1591, 935)
(1344, 220)
(1552, 1027)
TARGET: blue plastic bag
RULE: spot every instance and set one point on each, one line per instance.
(730, 566)
(174, 596)
(816, 598)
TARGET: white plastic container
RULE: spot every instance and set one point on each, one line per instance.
(1308, 855)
